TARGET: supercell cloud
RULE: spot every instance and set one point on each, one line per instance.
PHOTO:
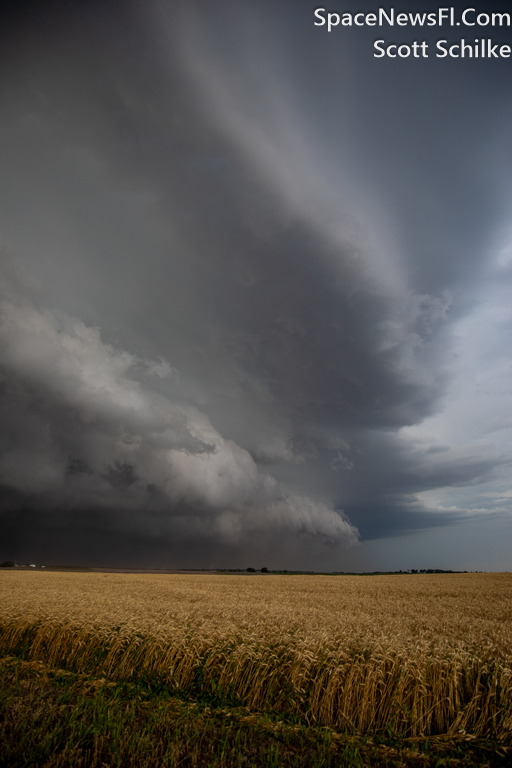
(254, 292)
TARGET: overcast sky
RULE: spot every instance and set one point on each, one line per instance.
(255, 303)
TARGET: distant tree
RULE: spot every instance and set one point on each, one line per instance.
(252, 570)
(7, 564)
(264, 570)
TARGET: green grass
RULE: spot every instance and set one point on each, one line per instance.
(57, 718)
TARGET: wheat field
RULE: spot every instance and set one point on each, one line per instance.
(415, 655)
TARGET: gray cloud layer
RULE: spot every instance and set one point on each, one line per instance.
(247, 301)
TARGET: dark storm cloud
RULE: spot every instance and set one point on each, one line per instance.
(82, 433)
(228, 336)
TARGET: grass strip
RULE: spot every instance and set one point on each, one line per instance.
(55, 718)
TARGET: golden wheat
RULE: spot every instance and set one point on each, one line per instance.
(416, 655)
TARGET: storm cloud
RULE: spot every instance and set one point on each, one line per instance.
(252, 302)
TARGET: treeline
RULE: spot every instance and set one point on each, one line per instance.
(13, 564)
